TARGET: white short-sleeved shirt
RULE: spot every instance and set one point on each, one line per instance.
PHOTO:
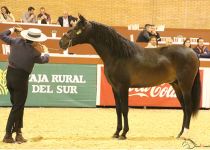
(65, 22)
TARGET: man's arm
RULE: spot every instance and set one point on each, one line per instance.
(204, 55)
(138, 38)
(48, 18)
(25, 17)
(5, 36)
(59, 21)
(42, 59)
(158, 36)
(32, 19)
(146, 35)
(206, 50)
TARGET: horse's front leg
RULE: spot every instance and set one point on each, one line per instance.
(119, 114)
(124, 109)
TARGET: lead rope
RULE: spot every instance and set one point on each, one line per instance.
(40, 44)
(190, 144)
(70, 43)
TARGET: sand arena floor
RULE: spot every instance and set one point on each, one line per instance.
(92, 128)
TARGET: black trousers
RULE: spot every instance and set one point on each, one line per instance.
(17, 84)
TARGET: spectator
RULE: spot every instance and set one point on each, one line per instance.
(169, 41)
(145, 34)
(154, 33)
(29, 16)
(201, 50)
(6, 15)
(153, 43)
(66, 20)
(23, 56)
(187, 43)
(43, 16)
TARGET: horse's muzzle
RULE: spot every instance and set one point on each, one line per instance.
(62, 45)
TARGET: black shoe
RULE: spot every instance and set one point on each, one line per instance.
(8, 138)
(19, 138)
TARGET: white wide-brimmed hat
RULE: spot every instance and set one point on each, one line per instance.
(33, 34)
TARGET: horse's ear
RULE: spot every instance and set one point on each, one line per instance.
(82, 18)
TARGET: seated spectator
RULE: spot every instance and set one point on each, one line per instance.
(187, 43)
(201, 50)
(153, 43)
(169, 41)
(145, 34)
(66, 20)
(29, 16)
(43, 16)
(6, 15)
(154, 33)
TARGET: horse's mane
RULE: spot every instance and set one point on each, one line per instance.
(117, 44)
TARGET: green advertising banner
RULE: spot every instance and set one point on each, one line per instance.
(54, 85)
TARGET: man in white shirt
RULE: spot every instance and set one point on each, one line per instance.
(66, 20)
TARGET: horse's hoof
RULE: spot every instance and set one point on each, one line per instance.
(115, 136)
(178, 136)
(122, 137)
(183, 136)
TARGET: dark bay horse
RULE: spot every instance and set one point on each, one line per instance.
(128, 65)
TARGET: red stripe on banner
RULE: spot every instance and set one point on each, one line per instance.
(157, 96)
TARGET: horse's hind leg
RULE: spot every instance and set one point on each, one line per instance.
(119, 114)
(186, 88)
(187, 112)
(181, 100)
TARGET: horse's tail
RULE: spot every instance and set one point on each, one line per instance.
(196, 94)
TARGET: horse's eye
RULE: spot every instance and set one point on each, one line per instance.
(78, 31)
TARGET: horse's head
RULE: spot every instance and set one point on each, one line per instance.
(77, 35)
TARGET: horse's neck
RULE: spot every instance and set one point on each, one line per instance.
(101, 49)
(109, 44)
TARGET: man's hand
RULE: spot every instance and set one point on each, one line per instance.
(153, 32)
(32, 16)
(18, 29)
(44, 17)
(45, 49)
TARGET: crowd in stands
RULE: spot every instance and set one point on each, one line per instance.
(148, 35)
(43, 17)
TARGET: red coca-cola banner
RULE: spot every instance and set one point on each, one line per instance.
(158, 96)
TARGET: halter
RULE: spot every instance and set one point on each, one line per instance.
(70, 40)
(70, 43)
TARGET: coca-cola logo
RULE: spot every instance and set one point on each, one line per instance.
(163, 90)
